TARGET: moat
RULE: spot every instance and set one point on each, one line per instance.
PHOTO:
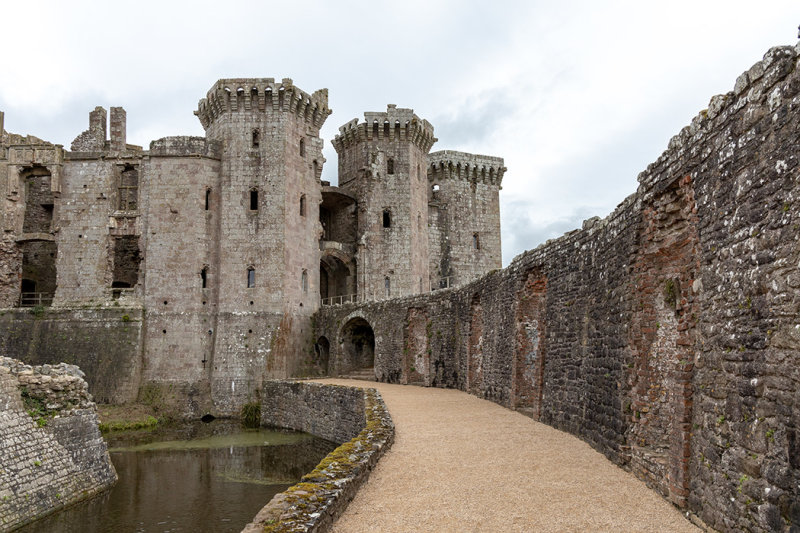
(192, 477)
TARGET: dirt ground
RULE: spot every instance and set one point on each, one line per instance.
(464, 464)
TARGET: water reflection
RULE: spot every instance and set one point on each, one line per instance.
(199, 477)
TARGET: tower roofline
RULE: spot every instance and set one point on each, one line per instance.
(393, 124)
(446, 164)
(262, 95)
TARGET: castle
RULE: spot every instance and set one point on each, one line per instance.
(221, 248)
(665, 335)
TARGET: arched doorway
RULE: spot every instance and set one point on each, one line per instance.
(322, 350)
(336, 279)
(358, 345)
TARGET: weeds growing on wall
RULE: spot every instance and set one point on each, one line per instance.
(251, 415)
(36, 408)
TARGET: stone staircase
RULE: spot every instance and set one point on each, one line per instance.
(364, 374)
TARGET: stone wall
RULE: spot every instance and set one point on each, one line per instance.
(51, 451)
(105, 343)
(334, 413)
(665, 335)
(357, 418)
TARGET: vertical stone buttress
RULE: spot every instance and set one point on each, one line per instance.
(269, 251)
(383, 163)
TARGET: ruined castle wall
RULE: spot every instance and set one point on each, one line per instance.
(106, 343)
(30, 180)
(665, 335)
(55, 457)
(745, 446)
(86, 209)
(302, 230)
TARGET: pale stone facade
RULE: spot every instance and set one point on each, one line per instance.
(230, 242)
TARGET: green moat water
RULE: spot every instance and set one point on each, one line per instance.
(192, 477)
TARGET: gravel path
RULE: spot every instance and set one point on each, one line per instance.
(464, 464)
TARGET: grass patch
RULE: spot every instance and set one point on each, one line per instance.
(125, 425)
(251, 415)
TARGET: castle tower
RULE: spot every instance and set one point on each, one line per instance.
(464, 217)
(383, 164)
(268, 254)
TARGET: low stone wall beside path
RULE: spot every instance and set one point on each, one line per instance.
(357, 417)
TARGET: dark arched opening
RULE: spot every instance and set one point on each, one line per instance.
(335, 279)
(358, 345)
(322, 350)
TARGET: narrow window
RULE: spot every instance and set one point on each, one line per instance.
(387, 218)
(476, 242)
(128, 190)
(390, 166)
(253, 199)
(304, 281)
(303, 205)
(387, 284)
(208, 198)
(251, 278)
(256, 139)
(204, 277)
(302, 147)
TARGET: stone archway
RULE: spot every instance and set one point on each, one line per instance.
(322, 350)
(357, 345)
(337, 278)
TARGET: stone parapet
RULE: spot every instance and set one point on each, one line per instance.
(333, 412)
(264, 95)
(449, 164)
(396, 124)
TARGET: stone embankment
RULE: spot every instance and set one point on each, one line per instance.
(51, 451)
(356, 417)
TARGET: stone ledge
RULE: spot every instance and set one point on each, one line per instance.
(321, 496)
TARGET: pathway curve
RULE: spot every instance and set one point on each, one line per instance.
(464, 464)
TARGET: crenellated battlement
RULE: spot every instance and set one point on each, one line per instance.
(449, 164)
(393, 125)
(263, 95)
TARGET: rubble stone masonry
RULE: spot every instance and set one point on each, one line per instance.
(666, 335)
(51, 451)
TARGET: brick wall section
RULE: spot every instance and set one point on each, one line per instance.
(48, 465)
(529, 355)
(667, 333)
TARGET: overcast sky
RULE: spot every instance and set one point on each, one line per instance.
(577, 96)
